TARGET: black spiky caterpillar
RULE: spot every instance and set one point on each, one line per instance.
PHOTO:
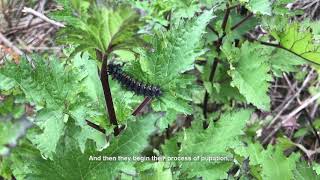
(115, 70)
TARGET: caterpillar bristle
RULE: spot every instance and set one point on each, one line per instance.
(115, 70)
(142, 89)
(137, 87)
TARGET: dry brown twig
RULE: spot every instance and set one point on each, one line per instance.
(304, 104)
(308, 152)
(304, 84)
(42, 16)
(9, 44)
(311, 8)
(28, 27)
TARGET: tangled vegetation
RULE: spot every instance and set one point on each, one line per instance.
(161, 90)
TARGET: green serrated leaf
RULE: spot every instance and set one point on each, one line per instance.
(174, 51)
(51, 121)
(275, 165)
(300, 41)
(157, 171)
(316, 167)
(259, 6)
(101, 29)
(213, 141)
(250, 74)
(58, 93)
(305, 172)
(70, 163)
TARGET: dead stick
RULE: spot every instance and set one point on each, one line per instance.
(10, 45)
(41, 16)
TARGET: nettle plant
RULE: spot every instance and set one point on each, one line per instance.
(162, 78)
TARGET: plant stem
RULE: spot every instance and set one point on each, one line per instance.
(225, 19)
(145, 102)
(214, 66)
(206, 96)
(213, 30)
(281, 47)
(232, 7)
(107, 91)
(96, 127)
(241, 22)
